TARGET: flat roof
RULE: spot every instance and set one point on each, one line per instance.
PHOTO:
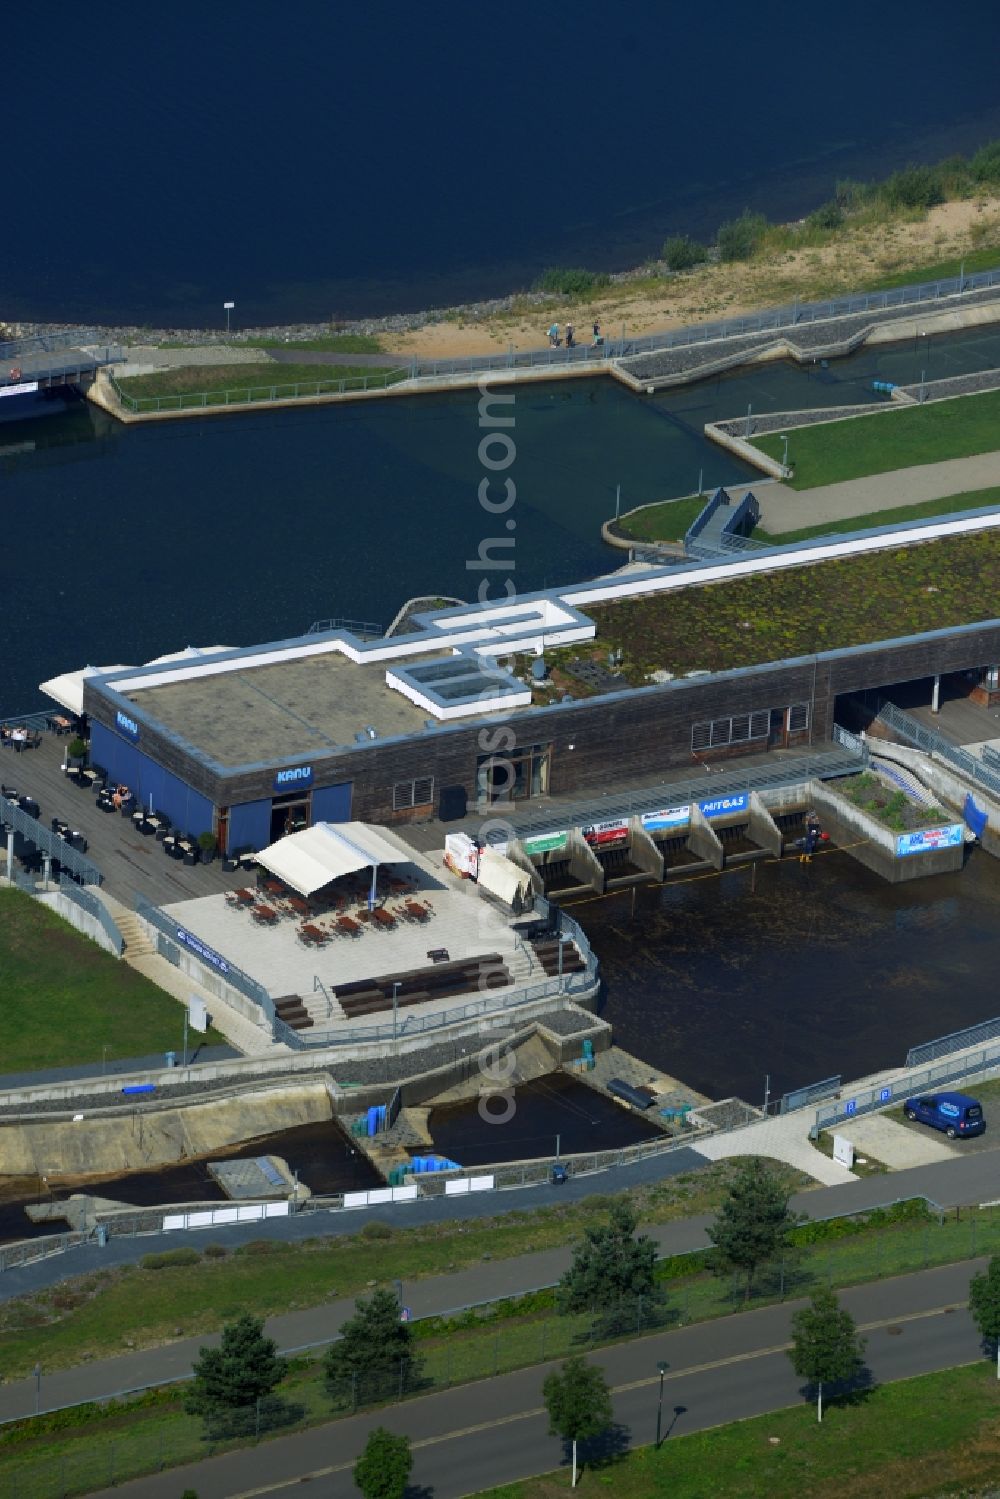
(299, 706)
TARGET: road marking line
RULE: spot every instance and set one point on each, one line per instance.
(618, 1389)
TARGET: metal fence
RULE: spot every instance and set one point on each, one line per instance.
(976, 1035)
(773, 318)
(366, 629)
(94, 907)
(935, 744)
(803, 1098)
(48, 843)
(882, 1095)
(50, 343)
(214, 963)
(248, 395)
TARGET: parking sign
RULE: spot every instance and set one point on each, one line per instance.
(851, 1106)
(884, 1095)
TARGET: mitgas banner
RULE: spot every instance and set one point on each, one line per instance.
(668, 817)
(723, 806)
(544, 843)
(928, 839)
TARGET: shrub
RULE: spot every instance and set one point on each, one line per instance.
(985, 165)
(851, 195)
(826, 216)
(77, 749)
(739, 238)
(168, 1258)
(376, 1230)
(681, 252)
(263, 1246)
(207, 842)
(914, 187)
(215, 1251)
(570, 282)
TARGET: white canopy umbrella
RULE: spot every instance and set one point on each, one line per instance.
(67, 689)
(311, 859)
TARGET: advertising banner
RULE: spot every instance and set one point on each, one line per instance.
(23, 388)
(928, 839)
(544, 843)
(722, 806)
(669, 817)
(606, 834)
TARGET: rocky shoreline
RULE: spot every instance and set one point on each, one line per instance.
(370, 327)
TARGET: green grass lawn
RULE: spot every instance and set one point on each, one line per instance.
(236, 384)
(664, 522)
(64, 998)
(941, 270)
(830, 452)
(936, 1434)
(88, 1443)
(972, 499)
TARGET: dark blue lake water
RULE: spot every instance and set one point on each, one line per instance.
(330, 159)
(121, 543)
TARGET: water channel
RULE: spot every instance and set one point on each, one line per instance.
(123, 543)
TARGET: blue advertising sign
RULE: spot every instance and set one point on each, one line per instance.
(206, 954)
(851, 1106)
(884, 1095)
(127, 726)
(722, 806)
(295, 778)
(669, 817)
(929, 839)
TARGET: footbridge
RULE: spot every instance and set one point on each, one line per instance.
(43, 361)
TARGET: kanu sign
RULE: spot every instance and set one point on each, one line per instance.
(296, 778)
(126, 726)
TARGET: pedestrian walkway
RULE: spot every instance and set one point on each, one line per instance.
(785, 509)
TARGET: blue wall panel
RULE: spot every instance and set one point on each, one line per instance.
(186, 808)
(332, 803)
(250, 825)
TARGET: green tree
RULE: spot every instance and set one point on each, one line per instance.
(827, 216)
(984, 1304)
(612, 1265)
(382, 1470)
(242, 1370)
(825, 1344)
(578, 1402)
(739, 238)
(914, 187)
(373, 1357)
(985, 165)
(681, 252)
(753, 1223)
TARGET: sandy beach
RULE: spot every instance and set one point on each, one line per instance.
(653, 305)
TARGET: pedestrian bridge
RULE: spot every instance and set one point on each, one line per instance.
(43, 361)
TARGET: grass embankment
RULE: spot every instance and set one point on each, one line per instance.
(239, 384)
(904, 437)
(940, 270)
(667, 521)
(936, 1434)
(971, 499)
(65, 1000)
(90, 1443)
(772, 616)
(332, 343)
(891, 808)
(95, 1315)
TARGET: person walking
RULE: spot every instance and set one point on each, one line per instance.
(554, 336)
(598, 340)
(569, 336)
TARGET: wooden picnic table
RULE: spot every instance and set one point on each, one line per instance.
(264, 915)
(298, 904)
(349, 925)
(417, 911)
(244, 897)
(314, 934)
(383, 918)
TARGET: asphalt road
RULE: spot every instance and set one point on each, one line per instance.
(496, 1431)
(969, 1179)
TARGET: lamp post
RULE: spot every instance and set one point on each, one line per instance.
(784, 456)
(37, 1375)
(661, 1369)
(395, 1009)
(227, 308)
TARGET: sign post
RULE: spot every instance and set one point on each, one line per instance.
(227, 308)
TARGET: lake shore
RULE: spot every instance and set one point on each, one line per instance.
(648, 299)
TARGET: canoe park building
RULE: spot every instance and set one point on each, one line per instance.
(539, 695)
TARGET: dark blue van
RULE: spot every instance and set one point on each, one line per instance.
(955, 1113)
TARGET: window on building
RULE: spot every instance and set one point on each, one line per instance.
(418, 793)
(716, 733)
(517, 776)
(798, 718)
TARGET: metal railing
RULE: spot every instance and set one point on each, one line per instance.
(786, 316)
(45, 840)
(421, 1025)
(364, 628)
(934, 744)
(214, 962)
(50, 343)
(975, 1035)
(882, 1095)
(94, 907)
(802, 1098)
(205, 400)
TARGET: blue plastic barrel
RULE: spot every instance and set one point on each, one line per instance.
(373, 1121)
